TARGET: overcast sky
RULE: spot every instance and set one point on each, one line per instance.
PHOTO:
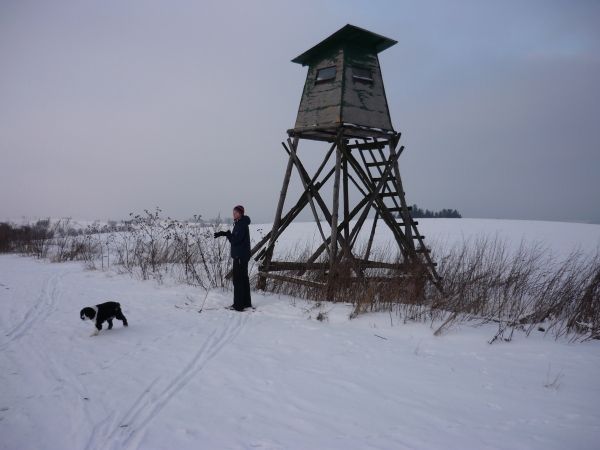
(114, 106)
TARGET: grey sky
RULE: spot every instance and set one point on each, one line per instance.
(109, 107)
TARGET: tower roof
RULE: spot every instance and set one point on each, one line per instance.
(348, 33)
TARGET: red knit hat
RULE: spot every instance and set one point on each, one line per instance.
(239, 208)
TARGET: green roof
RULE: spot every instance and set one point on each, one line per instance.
(348, 33)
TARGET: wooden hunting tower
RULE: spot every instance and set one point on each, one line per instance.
(344, 103)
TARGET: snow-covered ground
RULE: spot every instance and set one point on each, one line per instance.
(277, 377)
(559, 238)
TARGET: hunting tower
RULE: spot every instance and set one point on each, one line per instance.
(344, 103)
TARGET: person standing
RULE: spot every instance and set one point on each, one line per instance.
(239, 238)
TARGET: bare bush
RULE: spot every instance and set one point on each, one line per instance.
(155, 247)
(483, 281)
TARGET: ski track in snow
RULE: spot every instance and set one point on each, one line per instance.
(45, 304)
(128, 431)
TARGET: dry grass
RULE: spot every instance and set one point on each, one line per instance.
(483, 281)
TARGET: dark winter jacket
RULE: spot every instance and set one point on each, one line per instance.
(240, 239)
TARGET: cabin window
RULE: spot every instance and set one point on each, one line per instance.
(362, 74)
(325, 74)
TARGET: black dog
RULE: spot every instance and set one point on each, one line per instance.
(103, 312)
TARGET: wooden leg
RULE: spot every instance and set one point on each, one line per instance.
(371, 236)
(261, 284)
(292, 151)
(333, 244)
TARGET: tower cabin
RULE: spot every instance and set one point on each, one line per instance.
(344, 92)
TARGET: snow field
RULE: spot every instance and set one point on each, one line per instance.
(277, 378)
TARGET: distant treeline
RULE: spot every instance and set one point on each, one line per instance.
(418, 213)
(25, 238)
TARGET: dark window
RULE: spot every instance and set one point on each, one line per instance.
(328, 73)
(362, 74)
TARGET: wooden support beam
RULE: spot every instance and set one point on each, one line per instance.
(292, 213)
(292, 152)
(376, 179)
(315, 284)
(412, 223)
(335, 207)
(400, 209)
(354, 211)
(323, 205)
(277, 220)
(288, 219)
(376, 164)
(283, 193)
(367, 200)
(296, 280)
(322, 165)
(346, 199)
(356, 185)
(371, 236)
(367, 145)
(281, 266)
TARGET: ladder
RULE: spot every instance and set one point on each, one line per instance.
(376, 157)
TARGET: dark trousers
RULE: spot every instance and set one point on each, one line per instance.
(241, 284)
